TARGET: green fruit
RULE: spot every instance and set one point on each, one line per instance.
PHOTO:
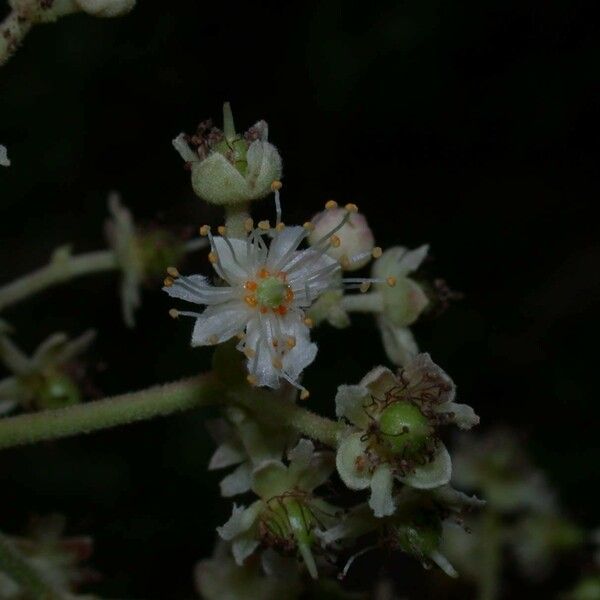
(404, 428)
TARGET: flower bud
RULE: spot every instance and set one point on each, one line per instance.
(229, 168)
(356, 239)
(418, 534)
(106, 8)
(56, 391)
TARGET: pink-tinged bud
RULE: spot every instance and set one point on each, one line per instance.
(351, 245)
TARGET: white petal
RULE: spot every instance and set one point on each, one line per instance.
(309, 267)
(303, 353)
(462, 414)
(243, 547)
(283, 244)
(264, 167)
(398, 342)
(235, 257)
(4, 160)
(443, 563)
(259, 338)
(226, 455)
(399, 262)
(301, 454)
(219, 323)
(379, 381)
(320, 470)
(241, 520)
(350, 402)
(237, 482)
(350, 449)
(433, 474)
(381, 500)
(196, 288)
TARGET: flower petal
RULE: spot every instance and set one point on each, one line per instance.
(296, 359)
(433, 474)
(398, 342)
(197, 289)
(350, 449)
(350, 403)
(243, 547)
(226, 455)
(271, 478)
(234, 257)
(399, 261)
(219, 323)
(379, 381)
(237, 482)
(240, 521)
(216, 180)
(382, 483)
(259, 341)
(284, 244)
(461, 414)
(264, 167)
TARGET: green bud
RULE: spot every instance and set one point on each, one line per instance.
(404, 428)
(419, 535)
(57, 390)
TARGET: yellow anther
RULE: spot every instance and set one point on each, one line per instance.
(351, 207)
(222, 229)
(345, 261)
(290, 342)
(251, 379)
(276, 185)
(330, 204)
(309, 322)
(212, 257)
(376, 252)
(251, 300)
(276, 362)
(168, 281)
(173, 272)
(211, 340)
(249, 352)
(391, 281)
(249, 224)
(364, 287)
(280, 226)
(264, 225)
(308, 226)
(304, 394)
(335, 241)
(173, 313)
(204, 230)
(240, 336)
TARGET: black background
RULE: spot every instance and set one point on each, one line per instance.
(469, 125)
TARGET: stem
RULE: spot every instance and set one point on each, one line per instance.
(100, 414)
(22, 572)
(60, 268)
(279, 411)
(13, 30)
(235, 217)
(489, 576)
(371, 302)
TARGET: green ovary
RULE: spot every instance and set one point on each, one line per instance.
(404, 428)
(271, 292)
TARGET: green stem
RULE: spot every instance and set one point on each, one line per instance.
(235, 218)
(371, 302)
(279, 411)
(491, 557)
(100, 414)
(61, 267)
(21, 571)
(162, 400)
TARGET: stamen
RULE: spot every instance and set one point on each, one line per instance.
(376, 252)
(251, 379)
(280, 226)
(249, 352)
(351, 207)
(173, 313)
(335, 241)
(173, 272)
(204, 230)
(391, 281)
(308, 226)
(331, 204)
(264, 225)
(251, 300)
(240, 336)
(304, 394)
(168, 281)
(276, 185)
(251, 286)
(290, 342)
(248, 224)
(276, 362)
(309, 322)
(212, 340)
(213, 257)
(222, 229)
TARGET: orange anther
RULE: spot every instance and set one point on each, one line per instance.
(263, 273)
(250, 285)
(251, 300)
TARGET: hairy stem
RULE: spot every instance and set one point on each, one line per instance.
(21, 571)
(64, 267)
(371, 302)
(235, 218)
(110, 412)
(279, 411)
(158, 401)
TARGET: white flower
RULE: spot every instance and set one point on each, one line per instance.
(263, 300)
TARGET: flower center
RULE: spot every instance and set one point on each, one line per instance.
(271, 292)
(404, 428)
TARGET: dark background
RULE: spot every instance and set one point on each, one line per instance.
(469, 125)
